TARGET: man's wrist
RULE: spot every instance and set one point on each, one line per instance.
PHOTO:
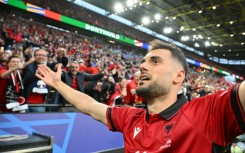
(58, 84)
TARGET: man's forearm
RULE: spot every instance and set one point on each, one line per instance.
(242, 94)
(74, 97)
(83, 102)
(80, 100)
(5, 74)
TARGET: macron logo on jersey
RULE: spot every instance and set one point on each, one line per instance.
(136, 131)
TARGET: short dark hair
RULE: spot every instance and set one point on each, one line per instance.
(40, 49)
(75, 62)
(13, 56)
(176, 52)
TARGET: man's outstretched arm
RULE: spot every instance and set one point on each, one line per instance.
(83, 102)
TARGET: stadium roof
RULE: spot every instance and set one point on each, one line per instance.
(215, 27)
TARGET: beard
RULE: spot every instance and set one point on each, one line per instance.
(152, 91)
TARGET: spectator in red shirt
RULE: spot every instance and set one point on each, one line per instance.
(7, 76)
(119, 94)
(121, 89)
(132, 97)
(76, 80)
(170, 124)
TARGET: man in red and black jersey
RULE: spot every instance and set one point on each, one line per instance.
(170, 123)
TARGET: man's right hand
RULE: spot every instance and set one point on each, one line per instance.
(81, 101)
(48, 76)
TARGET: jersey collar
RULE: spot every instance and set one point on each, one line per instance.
(168, 113)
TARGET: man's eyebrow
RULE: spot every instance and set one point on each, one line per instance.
(152, 58)
(142, 61)
(155, 58)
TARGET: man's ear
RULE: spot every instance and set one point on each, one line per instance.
(180, 77)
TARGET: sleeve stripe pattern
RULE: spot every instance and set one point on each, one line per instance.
(237, 108)
(110, 119)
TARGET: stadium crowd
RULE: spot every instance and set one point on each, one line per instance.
(91, 17)
(98, 20)
(107, 72)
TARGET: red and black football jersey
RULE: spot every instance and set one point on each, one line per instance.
(203, 125)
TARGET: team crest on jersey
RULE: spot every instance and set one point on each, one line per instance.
(168, 128)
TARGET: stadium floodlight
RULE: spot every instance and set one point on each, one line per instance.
(157, 16)
(185, 38)
(182, 28)
(197, 45)
(118, 7)
(213, 43)
(130, 3)
(145, 20)
(200, 36)
(207, 43)
(167, 30)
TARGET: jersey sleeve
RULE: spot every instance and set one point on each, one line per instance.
(122, 118)
(237, 108)
(228, 103)
(219, 116)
